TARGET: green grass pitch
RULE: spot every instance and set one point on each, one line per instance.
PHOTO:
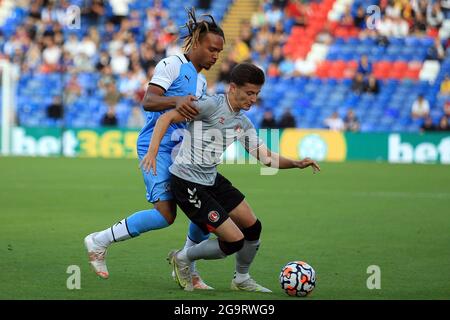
(341, 221)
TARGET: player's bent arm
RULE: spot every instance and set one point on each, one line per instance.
(275, 160)
(164, 121)
(155, 101)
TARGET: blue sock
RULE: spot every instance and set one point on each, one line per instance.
(146, 220)
(196, 234)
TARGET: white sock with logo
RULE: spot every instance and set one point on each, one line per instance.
(117, 232)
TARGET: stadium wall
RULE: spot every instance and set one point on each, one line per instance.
(323, 145)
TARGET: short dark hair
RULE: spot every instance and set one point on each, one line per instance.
(198, 29)
(247, 73)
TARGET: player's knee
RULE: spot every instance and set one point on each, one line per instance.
(168, 211)
(231, 247)
(171, 218)
(253, 232)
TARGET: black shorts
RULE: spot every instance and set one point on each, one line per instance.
(206, 206)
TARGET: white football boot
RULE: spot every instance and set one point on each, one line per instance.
(249, 285)
(97, 255)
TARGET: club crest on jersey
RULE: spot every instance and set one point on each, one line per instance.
(221, 120)
(213, 216)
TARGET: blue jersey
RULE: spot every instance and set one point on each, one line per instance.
(178, 77)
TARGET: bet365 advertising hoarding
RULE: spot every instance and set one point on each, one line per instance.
(321, 145)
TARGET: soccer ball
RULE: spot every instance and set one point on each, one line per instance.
(297, 278)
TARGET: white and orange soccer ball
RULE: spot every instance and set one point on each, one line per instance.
(297, 278)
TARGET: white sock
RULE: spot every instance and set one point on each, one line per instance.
(104, 238)
(241, 277)
(182, 255)
(189, 243)
(117, 232)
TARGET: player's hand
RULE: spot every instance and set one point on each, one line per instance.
(307, 162)
(149, 162)
(186, 108)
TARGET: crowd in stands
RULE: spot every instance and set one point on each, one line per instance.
(264, 37)
(105, 68)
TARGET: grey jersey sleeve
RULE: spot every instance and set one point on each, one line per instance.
(249, 139)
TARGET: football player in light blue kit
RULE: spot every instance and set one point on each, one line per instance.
(176, 83)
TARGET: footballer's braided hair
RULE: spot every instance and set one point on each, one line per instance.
(197, 29)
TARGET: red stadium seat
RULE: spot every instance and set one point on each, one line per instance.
(400, 66)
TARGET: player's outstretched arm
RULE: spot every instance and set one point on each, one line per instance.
(275, 160)
(154, 100)
(164, 121)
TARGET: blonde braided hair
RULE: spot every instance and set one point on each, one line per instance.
(197, 29)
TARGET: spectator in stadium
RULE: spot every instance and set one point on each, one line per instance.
(109, 119)
(274, 15)
(72, 44)
(93, 11)
(287, 120)
(436, 51)
(268, 121)
(372, 85)
(445, 5)
(435, 16)
(112, 95)
(443, 124)
(447, 108)
(364, 66)
(204, 4)
(420, 108)
(428, 125)
(136, 120)
(120, 10)
(72, 90)
(120, 62)
(393, 9)
(351, 122)
(55, 109)
(33, 57)
(88, 45)
(419, 26)
(334, 122)
(132, 81)
(241, 51)
(103, 61)
(347, 19)
(360, 19)
(224, 73)
(51, 56)
(445, 86)
(358, 84)
(258, 18)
